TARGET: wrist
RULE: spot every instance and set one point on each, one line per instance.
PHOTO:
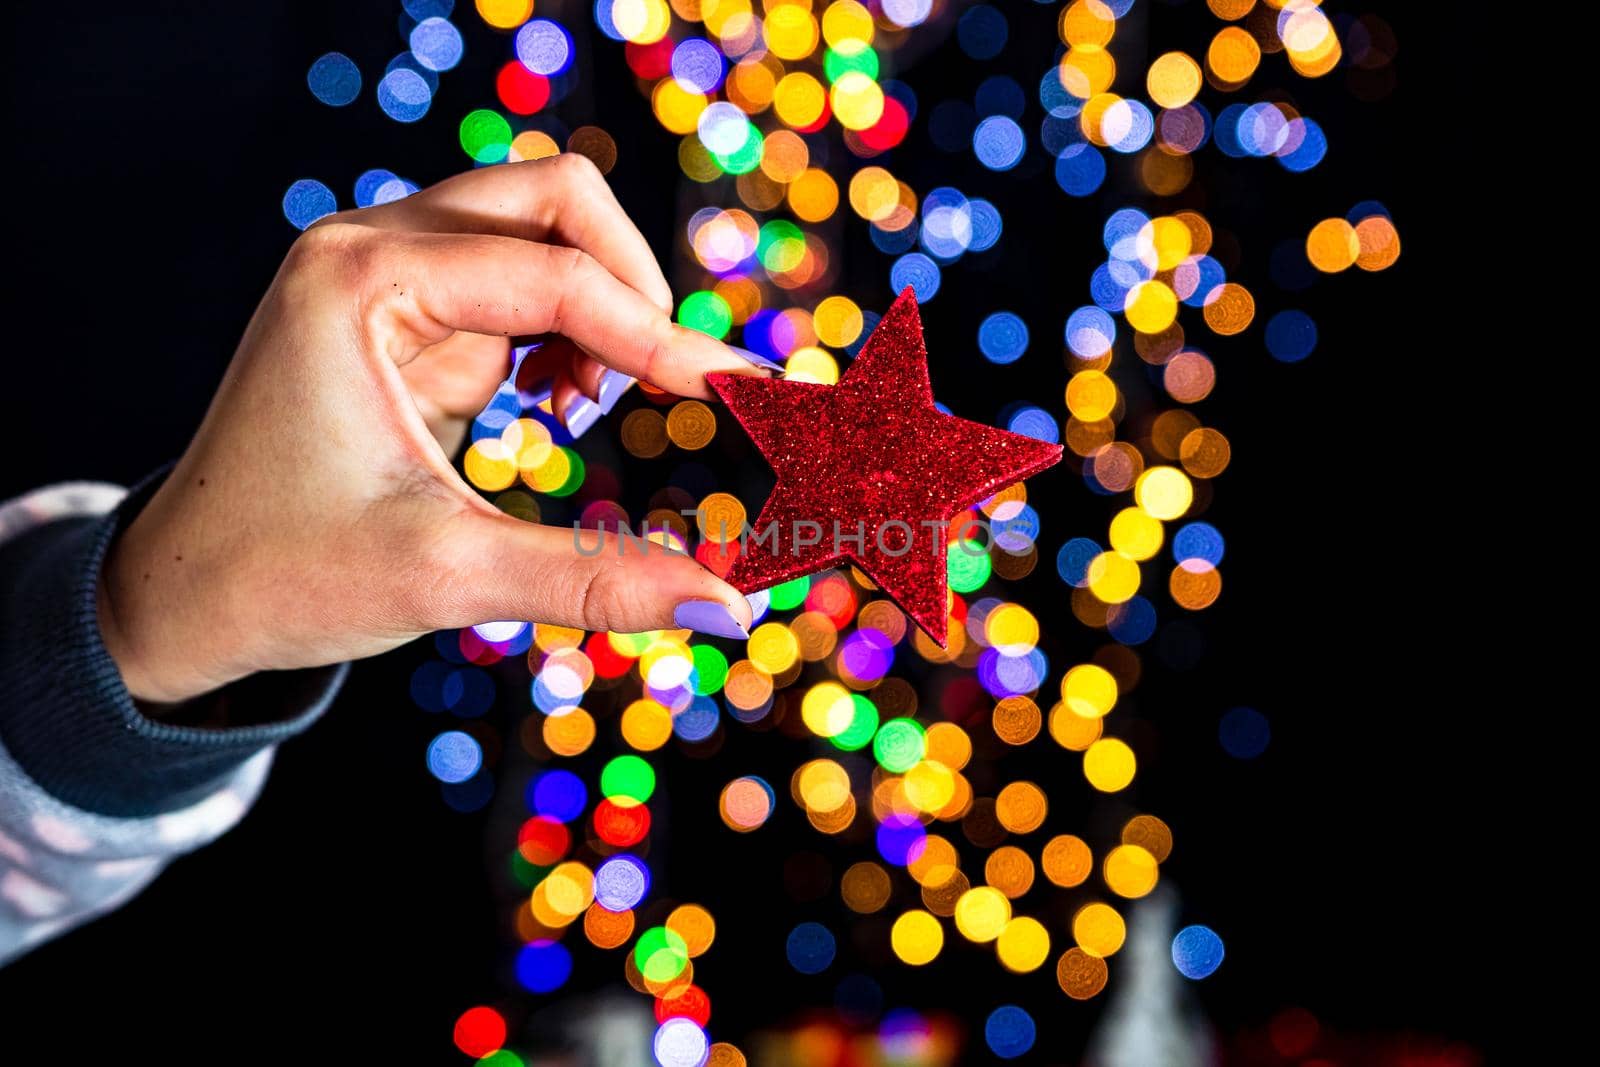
(142, 684)
(146, 616)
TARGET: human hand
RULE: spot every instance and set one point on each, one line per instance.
(316, 516)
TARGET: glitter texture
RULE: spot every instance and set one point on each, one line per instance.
(871, 470)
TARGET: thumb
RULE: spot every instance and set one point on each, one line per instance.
(587, 579)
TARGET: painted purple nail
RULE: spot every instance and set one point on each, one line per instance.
(612, 386)
(756, 360)
(582, 413)
(708, 617)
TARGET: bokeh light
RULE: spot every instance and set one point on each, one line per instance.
(1197, 952)
(810, 948)
(307, 201)
(1099, 929)
(334, 79)
(1009, 1032)
(916, 938)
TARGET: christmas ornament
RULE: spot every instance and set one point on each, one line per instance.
(870, 472)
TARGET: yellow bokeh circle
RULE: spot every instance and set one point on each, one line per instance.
(982, 913)
(641, 21)
(490, 464)
(676, 108)
(1089, 690)
(813, 196)
(857, 100)
(916, 938)
(1109, 764)
(828, 709)
(1233, 55)
(874, 193)
(846, 22)
(1023, 945)
(1099, 929)
(1151, 306)
(838, 320)
(790, 30)
(1164, 493)
(773, 647)
(1087, 22)
(1173, 80)
(811, 364)
(799, 99)
(1073, 731)
(1113, 577)
(646, 725)
(1091, 395)
(1130, 871)
(1136, 534)
(505, 14)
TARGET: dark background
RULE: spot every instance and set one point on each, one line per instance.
(350, 914)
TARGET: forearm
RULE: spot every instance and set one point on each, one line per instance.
(95, 795)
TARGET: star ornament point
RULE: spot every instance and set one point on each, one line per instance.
(870, 472)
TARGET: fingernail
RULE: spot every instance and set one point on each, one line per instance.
(582, 413)
(756, 360)
(708, 617)
(612, 386)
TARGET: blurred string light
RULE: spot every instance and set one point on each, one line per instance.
(436, 43)
(480, 1032)
(1197, 951)
(404, 94)
(786, 114)
(1009, 1032)
(334, 79)
(307, 201)
(454, 756)
(1244, 733)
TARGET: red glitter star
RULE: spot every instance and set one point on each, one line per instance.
(870, 471)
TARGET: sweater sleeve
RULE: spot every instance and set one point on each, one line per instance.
(95, 797)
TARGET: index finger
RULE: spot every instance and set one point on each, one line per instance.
(561, 199)
(439, 283)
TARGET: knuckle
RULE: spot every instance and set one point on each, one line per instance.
(574, 269)
(605, 601)
(325, 238)
(578, 169)
(586, 268)
(566, 261)
(337, 252)
(658, 349)
(662, 296)
(563, 267)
